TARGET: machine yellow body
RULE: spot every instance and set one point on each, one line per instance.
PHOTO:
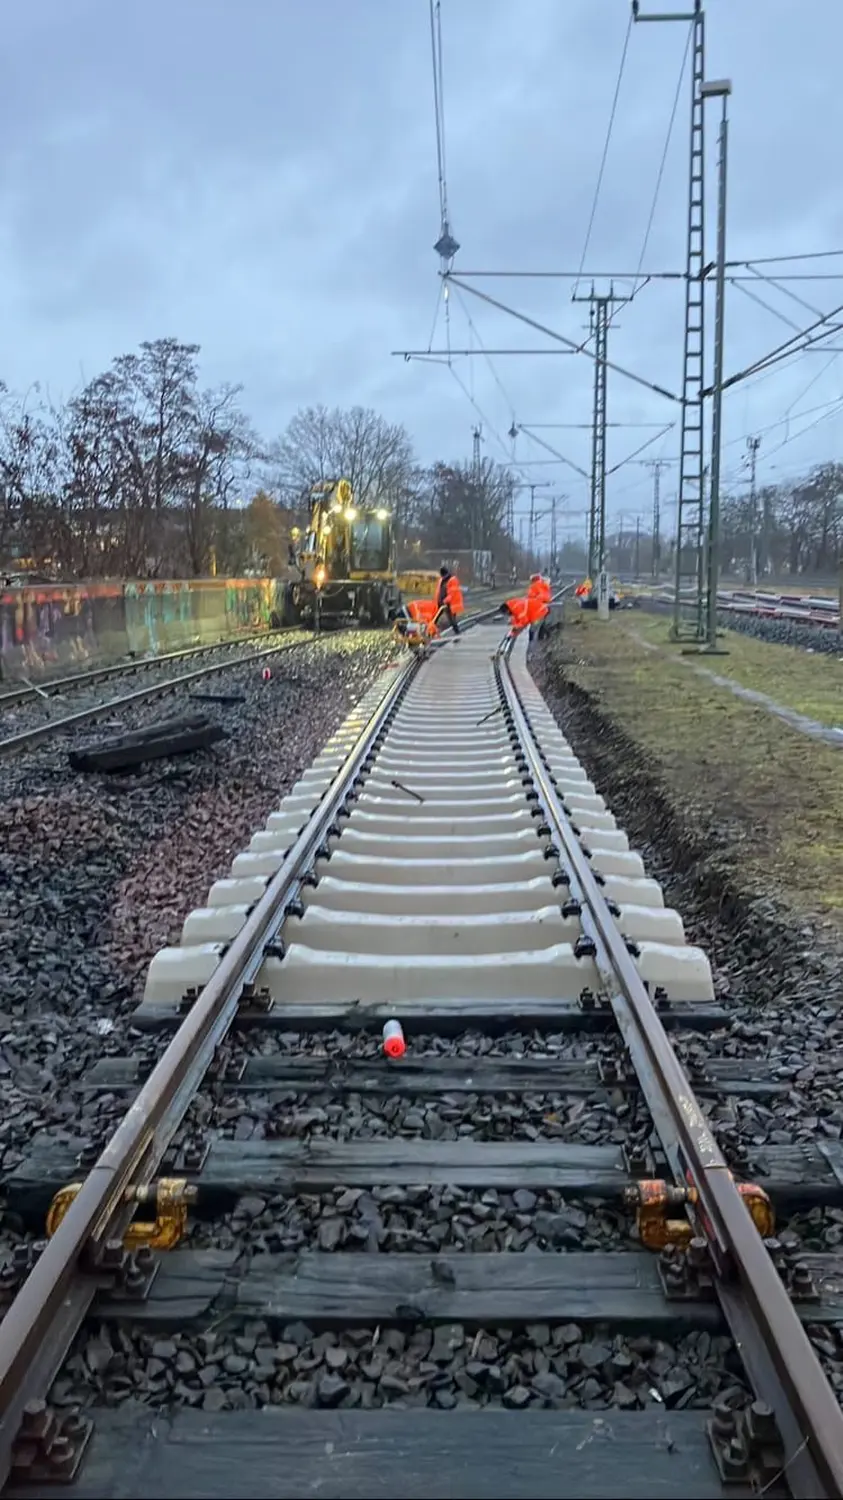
(658, 1211)
(171, 1196)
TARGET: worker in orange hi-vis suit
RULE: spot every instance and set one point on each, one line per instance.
(519, 614)
(539, 588)
(422, 611)
(449, 599)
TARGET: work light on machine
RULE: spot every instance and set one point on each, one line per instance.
(382, 515)
(351, 514)
(319, 577)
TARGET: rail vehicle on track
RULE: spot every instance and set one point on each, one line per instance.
(346, 564)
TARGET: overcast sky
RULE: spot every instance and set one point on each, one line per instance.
(259, 176)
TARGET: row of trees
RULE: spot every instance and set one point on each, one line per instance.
(145, 473)
(793, 529)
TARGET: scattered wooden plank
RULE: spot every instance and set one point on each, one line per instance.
(511, 1289)
(444, 1017)
(793, 1176)
(419, 1455)
(169, 737)
(437, 1075)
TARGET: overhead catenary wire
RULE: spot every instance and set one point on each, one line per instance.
(662, 164)
(802, 342)
(612, 114)
(439, 108)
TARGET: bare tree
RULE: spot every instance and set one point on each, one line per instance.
(358, 445)
(29, 467)
(219, 449)
(463, 507)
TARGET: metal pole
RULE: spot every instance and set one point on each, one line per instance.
(717, 399)
(657, 520)
(753, 444)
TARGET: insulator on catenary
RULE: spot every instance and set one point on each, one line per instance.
(394, 1044)
(266, 674)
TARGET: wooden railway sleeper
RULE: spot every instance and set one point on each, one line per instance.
(171, 1196)
(653, 1199)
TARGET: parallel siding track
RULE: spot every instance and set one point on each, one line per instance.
(446, 863)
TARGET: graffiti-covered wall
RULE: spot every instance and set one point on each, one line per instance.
(48, 628)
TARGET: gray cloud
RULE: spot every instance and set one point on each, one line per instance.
(259, 176)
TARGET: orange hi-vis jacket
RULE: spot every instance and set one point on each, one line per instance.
(519, 614)
(527, 611)
(537, 609)
(423, 612)
(540, 589)
(453, 596)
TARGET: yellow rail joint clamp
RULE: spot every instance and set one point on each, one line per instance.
(171, 1196)
(653, 1201)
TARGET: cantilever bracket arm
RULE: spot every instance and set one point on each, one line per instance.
(561, 339)
(823, 328)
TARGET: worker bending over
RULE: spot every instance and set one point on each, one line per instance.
(449, 599)
(525, 613)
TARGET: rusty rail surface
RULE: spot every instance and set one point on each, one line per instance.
(783, 1368)
(51, 1306)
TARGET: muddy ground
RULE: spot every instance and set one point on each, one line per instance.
(738, 815)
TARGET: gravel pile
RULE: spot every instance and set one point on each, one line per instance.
(98, 872)
(559, 1366)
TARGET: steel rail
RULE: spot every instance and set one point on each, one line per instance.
(779, 1358)
(51, 1306)
(54, 686)
(27, 738)
(56, 1296)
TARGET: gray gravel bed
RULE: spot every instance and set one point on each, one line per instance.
(16, 718)
(252, 1365)
(98, 872)
(419, 1220)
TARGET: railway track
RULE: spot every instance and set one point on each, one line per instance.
(36, 733)
(447, 866)
(233, 655)
(26, 691)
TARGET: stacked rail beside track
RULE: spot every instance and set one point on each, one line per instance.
(447, 863)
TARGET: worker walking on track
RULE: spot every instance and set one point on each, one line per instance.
(449, 599)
